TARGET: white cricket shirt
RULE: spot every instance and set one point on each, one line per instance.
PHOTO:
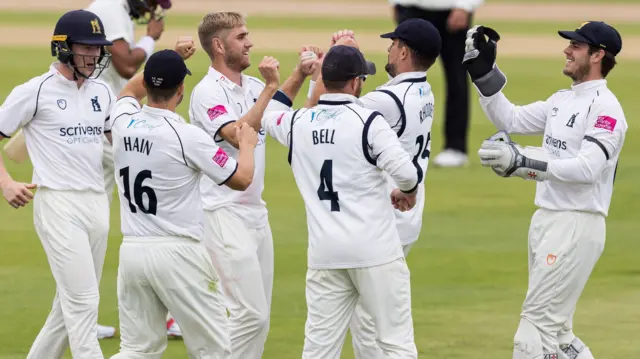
(117, 23)
(584, 130)
(158, 160)
(217, 102)
(469, 5)
(407, 103)
(338, 151)
(63, 127)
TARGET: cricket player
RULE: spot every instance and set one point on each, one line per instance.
(406, 103)
(339, 152)
(236, 223)
(584, 129)
(127, 56)
(159, 159)
(63, 113)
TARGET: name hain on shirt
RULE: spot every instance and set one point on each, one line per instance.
(136, 144)
(323, 136)
(81, 134)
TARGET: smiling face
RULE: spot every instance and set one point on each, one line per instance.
(85, 57)
(236, 48)
(580, 63)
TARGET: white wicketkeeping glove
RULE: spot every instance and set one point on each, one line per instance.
(508, 159)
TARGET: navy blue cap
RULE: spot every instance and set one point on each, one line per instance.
(165, 69)
(80, 27)
(420, 35)
(342, 63)
(596, 33)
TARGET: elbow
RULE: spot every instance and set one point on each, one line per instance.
(124, 70)
(241, 180)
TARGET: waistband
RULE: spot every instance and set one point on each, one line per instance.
(160, 240)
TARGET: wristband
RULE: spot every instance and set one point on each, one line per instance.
(146, 43)
(312, 84)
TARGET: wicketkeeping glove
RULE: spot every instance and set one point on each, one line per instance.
(508, 159)
(480, 60)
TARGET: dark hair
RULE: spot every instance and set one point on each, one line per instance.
(420, 62)
(160, 95)
(334, 85)
(608, 61)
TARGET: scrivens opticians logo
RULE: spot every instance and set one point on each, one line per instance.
(81, 134)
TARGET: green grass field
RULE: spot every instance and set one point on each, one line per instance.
(469, 271)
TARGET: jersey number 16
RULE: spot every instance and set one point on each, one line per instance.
(138, 191)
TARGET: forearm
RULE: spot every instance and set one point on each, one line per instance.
(135, 88)
(511, 118)
(585, 169)
(293, 84)
(5, 177)
(317, 90)
(254, 116)
(246, 164)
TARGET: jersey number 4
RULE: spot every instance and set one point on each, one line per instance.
(325, 191)
(138, 191)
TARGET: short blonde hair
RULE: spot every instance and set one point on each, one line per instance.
(213, 24)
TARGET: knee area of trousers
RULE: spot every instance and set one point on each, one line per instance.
(527, 342)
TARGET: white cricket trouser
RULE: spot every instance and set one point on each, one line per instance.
(243, 257)
(157, 274)
(564, 247)
(73, 227)
(332, 295)
(108, 167)
(363, 331)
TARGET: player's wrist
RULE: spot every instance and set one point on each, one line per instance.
(147, 44)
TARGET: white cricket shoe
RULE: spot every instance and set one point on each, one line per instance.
(450, 158)
(173, 330)
(105, 332)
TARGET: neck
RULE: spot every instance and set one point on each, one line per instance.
(171, 106)
(340, 92)
(234, 76)
(69, 73)
(587, 78)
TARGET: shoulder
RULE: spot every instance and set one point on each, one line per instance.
(207, 88)
(606, 104)
(36, 83)
(255, 82)
(104, 86)
(365, 114)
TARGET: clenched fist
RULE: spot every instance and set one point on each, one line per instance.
(185, 47)
(246, 135)
(310, 56)
(270, 70)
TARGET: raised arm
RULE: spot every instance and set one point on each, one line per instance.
(480, 62)
(202, 153)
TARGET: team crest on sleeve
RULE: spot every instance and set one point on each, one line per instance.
(606, 123)
(216, 111)
(221, 157)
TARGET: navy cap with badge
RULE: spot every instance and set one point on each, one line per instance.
(420, 35)
(165, 69)
(598, 34)
(342, 63)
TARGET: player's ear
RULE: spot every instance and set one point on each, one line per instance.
(217, 45)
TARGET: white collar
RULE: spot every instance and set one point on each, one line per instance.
(333, 99)
(588, 86)
(163, 113)
(413, 76)
(217, 76)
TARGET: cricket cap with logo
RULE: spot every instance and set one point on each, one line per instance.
(598, 34)
(420, 35)
(165, 69)
(343, 63)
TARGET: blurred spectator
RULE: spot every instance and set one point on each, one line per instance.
(452, 18)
